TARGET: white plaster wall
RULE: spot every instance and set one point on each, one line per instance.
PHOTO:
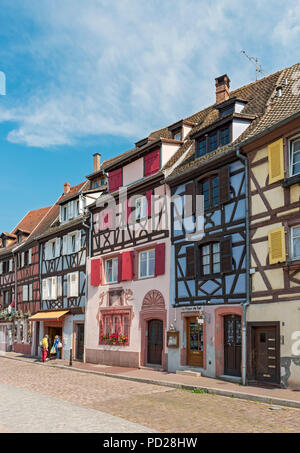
(185, 130)
(133, 171)
(167, 151)
(68, 334)
(238, 127)
(174, 354)
(239, 107)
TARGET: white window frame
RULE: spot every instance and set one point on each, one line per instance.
(292, 237)
(64, 213)
(70, 293)
(112, 261)
(25, 293)
(148, 275)
(143, 208)
(291, 153)
(72, 237)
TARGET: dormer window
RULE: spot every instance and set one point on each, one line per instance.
(227, 111)
(214, 140)
(177, 134)
(4, 243)
(64, 213)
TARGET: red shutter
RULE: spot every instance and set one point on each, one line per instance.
(152, 162)
(96, 272)
(160, 252)
(115, 180)
(149, 202)
(120, 267)
(127, 265)
(106, 219)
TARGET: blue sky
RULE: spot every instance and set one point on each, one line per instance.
(96, 76)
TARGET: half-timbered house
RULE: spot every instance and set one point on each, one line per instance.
(273, 316)
(128, 292)
(63, 253)
(14, 329)
(210, 287)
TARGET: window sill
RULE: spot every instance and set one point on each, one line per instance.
(291, 180)
(292, 265)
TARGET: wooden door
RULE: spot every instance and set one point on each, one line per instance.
(194, 342)
(79, 341)
(155, 341)
(266, 353)
(232, 345)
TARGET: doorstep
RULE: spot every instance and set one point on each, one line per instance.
(235, 379)
(193, 373)
(152, 367)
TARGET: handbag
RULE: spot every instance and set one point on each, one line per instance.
(59, 345)
(53, 350)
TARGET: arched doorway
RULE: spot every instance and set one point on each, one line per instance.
(153, 321)
(155, 342)
(232, 345)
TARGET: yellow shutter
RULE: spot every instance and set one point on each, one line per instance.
(276, 163)
(276, 245)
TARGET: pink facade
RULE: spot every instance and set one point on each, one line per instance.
(128, 287)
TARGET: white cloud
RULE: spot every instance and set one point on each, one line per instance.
(124, 67)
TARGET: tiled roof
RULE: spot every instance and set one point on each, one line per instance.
(27, 224)
(31, 219)
(47, 226)
(261, 101)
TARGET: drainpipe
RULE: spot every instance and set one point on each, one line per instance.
(247, 302)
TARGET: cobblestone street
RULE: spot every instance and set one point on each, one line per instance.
(39, 398)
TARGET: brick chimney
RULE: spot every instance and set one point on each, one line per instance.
(222, 88)
(67, 188)
(97, 162)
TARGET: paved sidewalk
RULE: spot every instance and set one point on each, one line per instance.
(282, 397)
(19, 408)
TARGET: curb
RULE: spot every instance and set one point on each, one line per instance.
(208, 390)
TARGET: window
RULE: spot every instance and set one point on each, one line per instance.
(96, 184)
(295, 157)
(77, 208)
(52, 249)
(111, 270)
(219, 137)
(295, 242)
(224, 136)
(73, 243)
(64, 213)
(201, 147)
(114, 328)
(177, 135)
(7, 298)
(213, 141)
(210, 190)
(226, 111)
(147, 264)
(73, 284)
(140, 208)
(210, 259)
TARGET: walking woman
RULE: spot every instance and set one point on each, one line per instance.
(45, 347)
(57, 345)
